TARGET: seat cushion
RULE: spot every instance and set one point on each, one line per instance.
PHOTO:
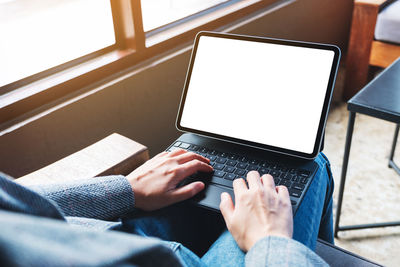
(388, 24)
(336, 256)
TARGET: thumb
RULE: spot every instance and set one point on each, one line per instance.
(185, 192)
(226, 207)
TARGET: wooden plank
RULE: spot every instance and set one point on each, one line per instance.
(114, 154)
(383, 54)
(358, 53)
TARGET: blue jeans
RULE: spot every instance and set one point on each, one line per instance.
(199, 237)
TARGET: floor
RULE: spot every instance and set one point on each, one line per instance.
(372, 191)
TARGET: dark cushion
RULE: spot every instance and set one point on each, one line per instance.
(388, 24)
(336, 256)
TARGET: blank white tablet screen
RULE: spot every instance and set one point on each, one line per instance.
(265, 93)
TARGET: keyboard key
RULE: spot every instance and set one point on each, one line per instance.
(264, 164)
(294, 193)
(230, 176)
(231, 163)
(173, 148)
(298, 186)
(252, 167)
(278, 167)
(221, 160)
(297, 178)
(304, 180)
(219, 174)
(177, 143)
(243, 159)
(263, 171)
(304, 173)
(214, 153)
(242, 165)
(288, 176)
(284, 169)
(203, 150)
(233, 157)
(194, 148)
(275, 173)
(229, 169)
(293, 202)
(219, 166)
(212, 158)
(291, 177)
(240, 172)
(286, 183)
(254, 162)
(223, 155)
(184, 145)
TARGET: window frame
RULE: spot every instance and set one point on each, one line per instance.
(24, 96)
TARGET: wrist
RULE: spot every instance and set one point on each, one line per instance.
(277, 234)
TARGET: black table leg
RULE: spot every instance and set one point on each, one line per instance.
(349, 136)
(391, 162)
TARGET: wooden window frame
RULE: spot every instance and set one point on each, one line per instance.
(30, 93)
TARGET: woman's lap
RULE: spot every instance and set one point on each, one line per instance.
(198, 228)
(314, 216)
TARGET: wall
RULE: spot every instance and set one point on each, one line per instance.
(143, 105)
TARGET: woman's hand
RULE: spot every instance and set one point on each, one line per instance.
(154, 183)
(260, 210)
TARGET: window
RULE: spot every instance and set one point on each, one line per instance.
(41, 34)
(49, 49)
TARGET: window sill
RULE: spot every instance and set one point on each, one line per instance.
(38, 93)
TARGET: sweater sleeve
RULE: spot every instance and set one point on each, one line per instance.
(103, 198)
(36, 241)
(280, 251)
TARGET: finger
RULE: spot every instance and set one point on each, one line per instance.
(239, 187)
(226, 207)
(185, 157)
(161, 154)
(191, 167)
(253, 179)
(268, 182)
(177, 152)
(283, 192)
(185, 192)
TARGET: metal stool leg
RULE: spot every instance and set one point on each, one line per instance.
(349, 136)
(343, 180)
(391, 162)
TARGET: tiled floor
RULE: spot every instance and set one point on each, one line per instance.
(372, 189)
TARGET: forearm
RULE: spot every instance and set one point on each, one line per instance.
(280, 251)
(101, 198)
(35, 241)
